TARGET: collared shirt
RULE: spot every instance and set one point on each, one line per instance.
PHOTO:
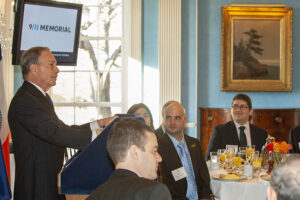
(176, 143)
(93, 125)
(247, 131)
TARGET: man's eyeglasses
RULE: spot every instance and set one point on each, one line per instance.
(242, 107)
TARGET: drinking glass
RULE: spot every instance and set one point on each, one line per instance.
(237, 160)
(256, 164)
(250, 148)
(231, 151)
(214, 160)
(221, 153)
(228, 160)
(242, 151)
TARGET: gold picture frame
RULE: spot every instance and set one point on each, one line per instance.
(256, 48)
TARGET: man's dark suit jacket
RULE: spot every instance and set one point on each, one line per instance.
(171, 161)
(159, 132)
(295, 139)
(39, 138)
(126, 185)
(226, 134)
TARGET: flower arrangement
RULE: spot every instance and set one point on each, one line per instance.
(278, 150)
(281, 147)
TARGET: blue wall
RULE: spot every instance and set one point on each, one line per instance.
(188, 60)
(188, 53)
(209, 55)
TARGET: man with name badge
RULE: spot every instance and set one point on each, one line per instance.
(183, 167)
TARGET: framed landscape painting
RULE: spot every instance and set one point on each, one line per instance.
(256, 48)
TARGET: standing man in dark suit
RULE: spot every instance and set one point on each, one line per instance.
(184, 169)
(295, 139)
(39, 136)
(132, 146)
(239, 131)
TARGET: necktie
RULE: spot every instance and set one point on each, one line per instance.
(243, 140)
(188, 166)
(49, 99)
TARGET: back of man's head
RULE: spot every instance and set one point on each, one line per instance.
(123, 135)
(285, 179)
(243, 97)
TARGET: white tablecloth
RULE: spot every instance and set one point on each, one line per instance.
(243, 190)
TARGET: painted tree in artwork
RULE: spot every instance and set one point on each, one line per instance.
(253, 42)
(245, 64)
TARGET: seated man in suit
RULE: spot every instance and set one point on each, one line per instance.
(295, 140)
(132, 146)
(160, 131)
(239, 131)
(183, 167)
(285, 180)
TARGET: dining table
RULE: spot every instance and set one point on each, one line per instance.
(241, 189)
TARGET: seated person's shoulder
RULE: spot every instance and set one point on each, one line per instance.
(260, 129)
(296, 130)
(222, 127)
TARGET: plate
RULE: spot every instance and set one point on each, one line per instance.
(266, 177)
(220, 178)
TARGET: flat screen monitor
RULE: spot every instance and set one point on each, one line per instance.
(55, 25)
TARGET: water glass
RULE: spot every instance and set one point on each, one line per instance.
(214, 157)
(214, 160)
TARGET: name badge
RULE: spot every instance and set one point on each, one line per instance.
(234, 147)
(179, 173)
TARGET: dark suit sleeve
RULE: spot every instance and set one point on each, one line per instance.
(258, 136)
(214, 142)
(40, 122)
(293, 140)
(204, 190)
(160, 192)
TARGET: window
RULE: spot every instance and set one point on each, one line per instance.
(94, 88)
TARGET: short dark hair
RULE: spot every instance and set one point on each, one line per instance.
(137, 106)
(31, 56)
(285, 179)
(124, 134)
(243, 97)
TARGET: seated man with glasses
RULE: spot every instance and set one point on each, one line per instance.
(239, 131)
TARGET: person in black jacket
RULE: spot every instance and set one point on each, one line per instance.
(183, 166)
(132, 146)
(295, 139)
(239, 131)
(39, 136)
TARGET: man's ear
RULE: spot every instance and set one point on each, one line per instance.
(251, 112)
(271, 193)
(33, 68)
(185, 119)
(134, 152)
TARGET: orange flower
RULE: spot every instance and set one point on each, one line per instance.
(283, 147)
(276, 147)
